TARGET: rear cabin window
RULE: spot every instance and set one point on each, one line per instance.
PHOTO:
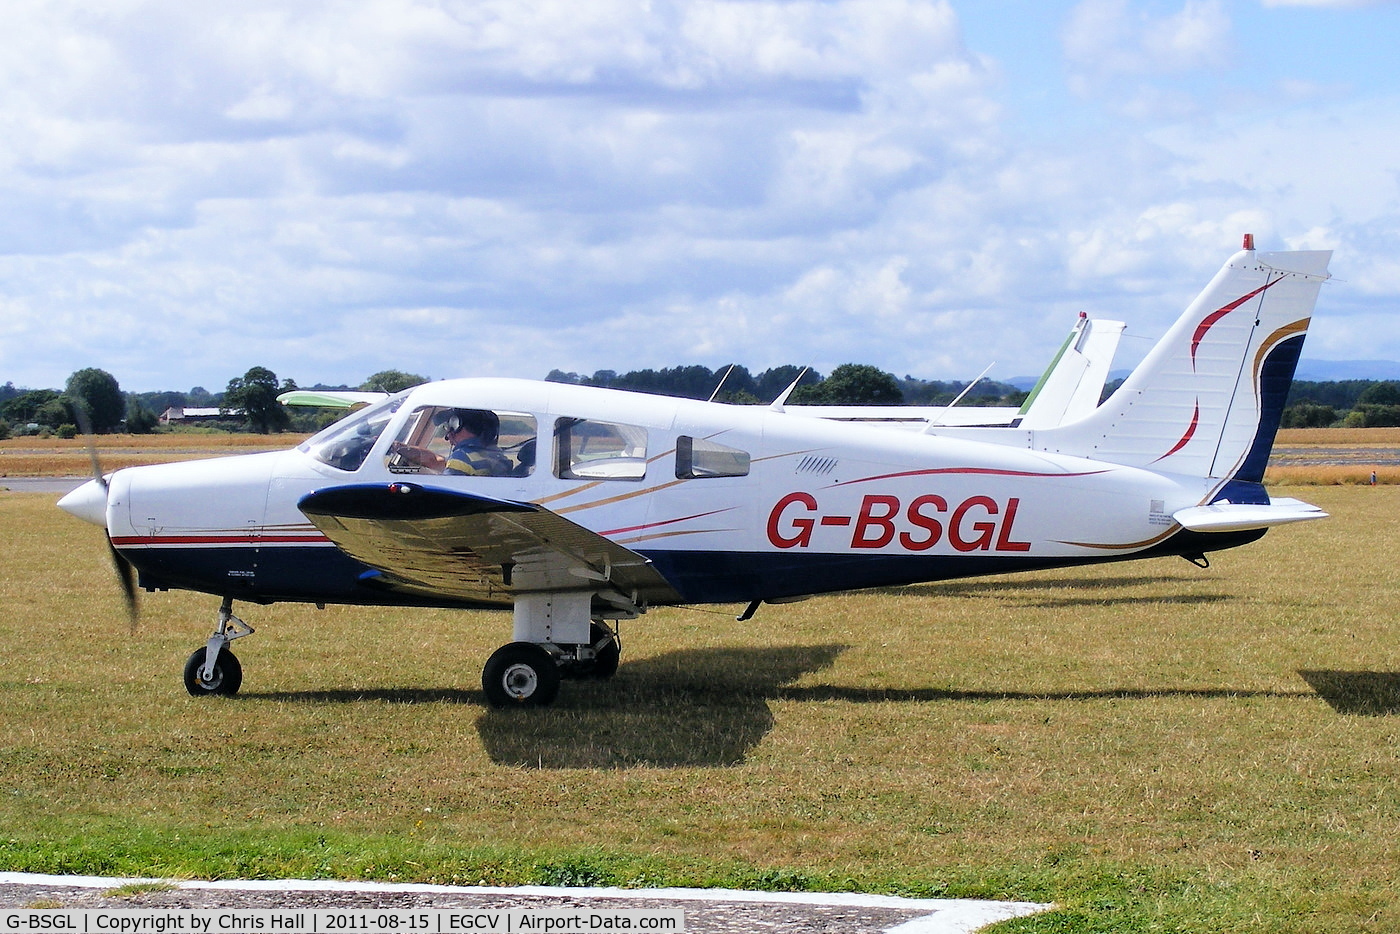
(698, 458)
(586, 449)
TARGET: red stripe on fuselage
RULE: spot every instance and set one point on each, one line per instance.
(242, 538)
(971, 471)
(657, 525)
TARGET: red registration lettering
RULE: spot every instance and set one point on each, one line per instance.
(877, 513)
(982, 530)
(802, 536)
(920, 519)
(1004, 542)
(978, 523)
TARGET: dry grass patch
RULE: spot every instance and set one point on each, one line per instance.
(1381, 437)
(1332, 475)
(58, 457)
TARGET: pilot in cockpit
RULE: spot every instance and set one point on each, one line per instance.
(473, 434)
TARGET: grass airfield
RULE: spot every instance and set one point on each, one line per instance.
(1152, 746)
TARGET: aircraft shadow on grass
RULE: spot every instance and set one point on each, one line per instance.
(711, 707)
(1097, 588)
(1358, 693)
(694, 707)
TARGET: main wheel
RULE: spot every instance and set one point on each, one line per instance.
(520, 675)
(227, 679)
(606, 654)
(605, 662)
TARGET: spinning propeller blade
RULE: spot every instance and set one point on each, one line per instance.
(119, 564)
(128, 582)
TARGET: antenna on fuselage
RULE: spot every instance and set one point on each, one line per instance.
(721, 382)
(933, 422)
(777, 404)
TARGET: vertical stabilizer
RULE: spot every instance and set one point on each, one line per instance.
(1074, 381)
(1207, 399)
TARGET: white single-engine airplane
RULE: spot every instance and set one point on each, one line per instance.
(579, 507)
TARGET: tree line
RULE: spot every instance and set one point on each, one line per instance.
(92, 400)
(848, 384)
(1347, 403)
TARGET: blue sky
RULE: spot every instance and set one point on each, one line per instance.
(330, 189)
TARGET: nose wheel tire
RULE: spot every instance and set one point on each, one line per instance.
(520, 675)
(227, 678)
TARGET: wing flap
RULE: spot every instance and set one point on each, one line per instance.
(1239, 517)
(441, 542)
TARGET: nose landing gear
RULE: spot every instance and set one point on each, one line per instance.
(214, 669)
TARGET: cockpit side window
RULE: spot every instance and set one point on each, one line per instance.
(459, 441)
(586, 449)
(345, 444)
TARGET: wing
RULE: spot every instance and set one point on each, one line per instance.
(331, 399)
(911, 417)
(439, 542)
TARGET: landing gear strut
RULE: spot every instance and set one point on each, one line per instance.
(214, 669)
(596, 660)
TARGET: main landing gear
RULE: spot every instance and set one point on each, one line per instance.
(214, 669)
(528, 674)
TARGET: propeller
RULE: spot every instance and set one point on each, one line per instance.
(125, 574)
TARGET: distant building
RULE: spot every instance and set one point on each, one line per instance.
(187, 414)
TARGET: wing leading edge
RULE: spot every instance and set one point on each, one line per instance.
(432, 541)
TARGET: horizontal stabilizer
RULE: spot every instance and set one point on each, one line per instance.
(1239, 517)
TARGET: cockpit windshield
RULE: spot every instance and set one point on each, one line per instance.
(347, 443)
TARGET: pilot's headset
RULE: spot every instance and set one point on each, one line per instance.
(483, 423)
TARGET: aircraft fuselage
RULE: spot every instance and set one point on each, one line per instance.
(774, 506)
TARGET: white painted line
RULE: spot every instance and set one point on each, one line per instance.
(945, 915)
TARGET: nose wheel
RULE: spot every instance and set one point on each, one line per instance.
(214, 669)
(225, 680)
